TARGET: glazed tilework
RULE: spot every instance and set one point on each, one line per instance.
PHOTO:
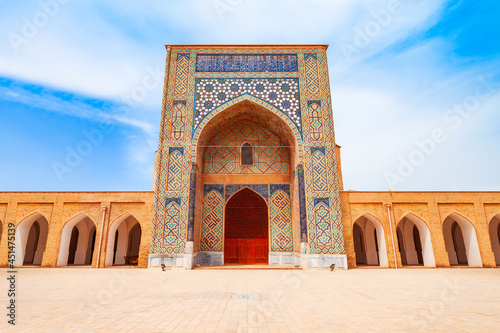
(312, 75)
(178, 123)
(320, 178)
(175, 168)
(222, 156)
(281, 93)
(246, 97)
(323, 231)
(212, 218)
(172, 221)
(315, 120)
(182, 74)
(222, 63)
(262, 190)
(280, 218)
(324, 224)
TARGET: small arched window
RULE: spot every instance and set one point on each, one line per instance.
(246, 154)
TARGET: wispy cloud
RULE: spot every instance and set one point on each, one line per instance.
(108, 113)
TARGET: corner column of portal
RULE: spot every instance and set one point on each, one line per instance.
(303, 217)
(188, 260)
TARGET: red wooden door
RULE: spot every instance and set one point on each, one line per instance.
(246, 229)
(231, 251)
(250, 255)
(242, 251)
(261, 251)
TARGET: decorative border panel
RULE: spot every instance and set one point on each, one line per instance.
(315, 120)
(182, 74)
(212, 230)
(323, 231)
(320, 178)
(246, 63)
(312, 75)
(280, 218)
(178, 123)
(172, 221)
(175, 167)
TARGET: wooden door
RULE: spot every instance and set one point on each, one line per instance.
(246, 229)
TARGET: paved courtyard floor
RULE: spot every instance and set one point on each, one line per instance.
(357, 300)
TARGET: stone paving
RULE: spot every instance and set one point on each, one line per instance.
(357, 300)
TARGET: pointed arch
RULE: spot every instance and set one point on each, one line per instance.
(415, 247)
(281, 123)
(31, 248)
(118, 243)
(461, 241)
(372, 233)
(83, 251)
(241, 189)
(494, 228)
(246, 228)
(246, 154)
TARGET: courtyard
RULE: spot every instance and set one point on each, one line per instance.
(83, 299)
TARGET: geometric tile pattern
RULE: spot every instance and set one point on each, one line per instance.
(171, 223)
(175, 168)
(281, 93)
(178, 125)
(280, 218)
(212, 218)
(223, 153)
(322, 222)
(315, 120)
(231, 189)
(246, 63)
(245, 97)
(182, 74)
(320, 181)
(312, 77)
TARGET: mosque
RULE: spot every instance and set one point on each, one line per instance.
(247, 172)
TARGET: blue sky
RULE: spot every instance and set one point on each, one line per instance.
(415, 86)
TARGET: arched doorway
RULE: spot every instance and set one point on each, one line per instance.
(461, 241)
(246, 231)
(359, 245)
(246, 145)
(414, 242)
(124, 241)
(31, 239)
(495, 237)
(369, 242)
(77, 242)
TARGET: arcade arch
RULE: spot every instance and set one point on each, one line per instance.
(124, 240)
(461, 241)
(414, 240)
(495, 237)
(31, 240)
(369, 242)
(77, 242)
